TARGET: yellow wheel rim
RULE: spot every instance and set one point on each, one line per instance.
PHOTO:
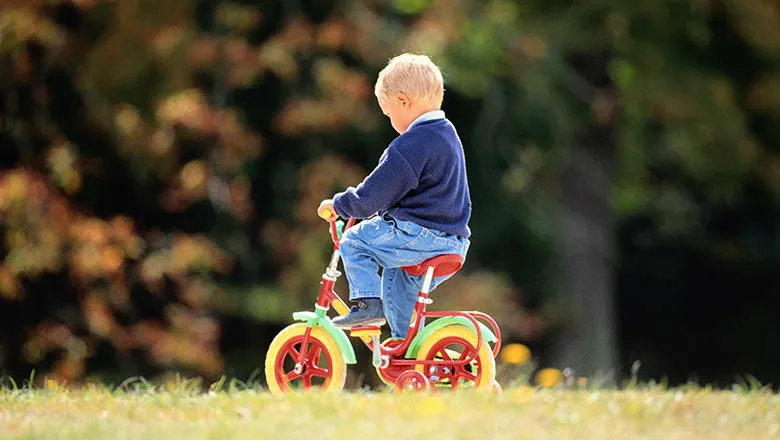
(451, 342)
(325, 367)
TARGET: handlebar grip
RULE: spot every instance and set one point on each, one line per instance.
(326, 214)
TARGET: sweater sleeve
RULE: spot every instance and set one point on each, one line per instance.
(392, 178)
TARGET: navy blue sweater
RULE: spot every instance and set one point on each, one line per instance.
(421, 177)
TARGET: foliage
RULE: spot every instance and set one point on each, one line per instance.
(163, 166)
(160, 163)
(689, 95)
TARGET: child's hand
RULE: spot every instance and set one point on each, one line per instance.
(326, 210)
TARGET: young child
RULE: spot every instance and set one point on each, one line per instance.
(419, 192)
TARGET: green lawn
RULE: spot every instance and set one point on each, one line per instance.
(519, 413)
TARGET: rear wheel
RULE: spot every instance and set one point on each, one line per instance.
(291, 366)
(452, 343)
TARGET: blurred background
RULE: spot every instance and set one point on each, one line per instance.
(161, 163)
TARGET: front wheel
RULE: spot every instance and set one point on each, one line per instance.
(452, 343)
(289, 366)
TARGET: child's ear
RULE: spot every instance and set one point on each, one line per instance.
(403, 99)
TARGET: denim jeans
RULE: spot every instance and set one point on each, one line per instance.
(389, 243)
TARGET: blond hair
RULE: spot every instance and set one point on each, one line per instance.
(414, 75)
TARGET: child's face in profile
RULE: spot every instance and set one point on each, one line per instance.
(402, 111)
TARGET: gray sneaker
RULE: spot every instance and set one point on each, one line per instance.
(368, 312)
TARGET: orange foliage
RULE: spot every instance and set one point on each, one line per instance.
(45, 232)
(172, 137)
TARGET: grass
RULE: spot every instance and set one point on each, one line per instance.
(180, 412)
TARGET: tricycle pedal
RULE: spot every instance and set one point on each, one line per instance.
(359, 332)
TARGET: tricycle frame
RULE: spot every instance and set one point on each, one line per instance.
(385, 357)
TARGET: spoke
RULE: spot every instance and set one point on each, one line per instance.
(466, 353)
(306, 381)
(319, 372)
(294, 354)
(292, 375)
(314, 355)
(468, 376)
(444, 355)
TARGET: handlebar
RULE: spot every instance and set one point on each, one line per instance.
(335, 236)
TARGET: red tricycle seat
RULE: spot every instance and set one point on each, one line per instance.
(442, 265)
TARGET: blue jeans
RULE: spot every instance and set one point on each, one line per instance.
(390, 244)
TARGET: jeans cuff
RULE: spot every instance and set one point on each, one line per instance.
(355, 296)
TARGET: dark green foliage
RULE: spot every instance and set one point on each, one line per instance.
(161, 163)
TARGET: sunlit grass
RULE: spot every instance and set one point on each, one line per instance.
(183, 411)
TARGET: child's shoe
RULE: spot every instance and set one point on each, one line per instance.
(368, 312)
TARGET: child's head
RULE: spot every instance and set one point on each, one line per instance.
(407, 87)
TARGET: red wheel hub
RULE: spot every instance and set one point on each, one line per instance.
(411, 380)
(308, 366)
(443, 371)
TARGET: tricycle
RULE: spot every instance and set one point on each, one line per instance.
(453, 351)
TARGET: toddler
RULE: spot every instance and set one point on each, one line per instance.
(419, 192)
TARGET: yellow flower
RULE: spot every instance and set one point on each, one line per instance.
(515, 354)
(549, 377)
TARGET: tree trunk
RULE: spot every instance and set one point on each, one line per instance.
(586, 240)
(586, 342)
